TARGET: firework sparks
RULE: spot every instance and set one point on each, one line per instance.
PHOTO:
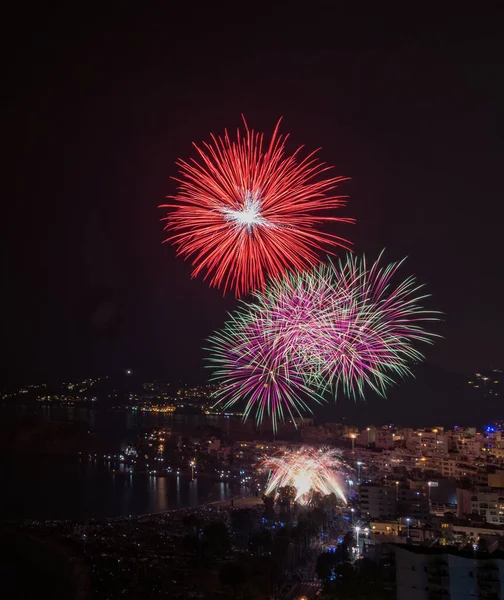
(244, 213)
(348, 325)
(341, 328)
(252, 365)
(308, 470)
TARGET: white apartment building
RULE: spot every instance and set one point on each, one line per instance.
(426, 574)
(489, 503)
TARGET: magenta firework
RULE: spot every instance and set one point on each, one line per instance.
(342, 328)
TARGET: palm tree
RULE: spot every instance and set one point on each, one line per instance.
(286, 496)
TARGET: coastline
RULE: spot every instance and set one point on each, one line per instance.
(239, 501)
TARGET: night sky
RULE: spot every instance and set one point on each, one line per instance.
(100, 107)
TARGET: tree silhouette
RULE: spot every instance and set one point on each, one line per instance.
(216, 537)
(348, 542)
(242, 523)
(330, 502)
(235, 575)
(325, 565)
(190, 543)
(269, 507)
(261, 542)
(368, 570)
(286, 496)
(281, 542)
(191, 523)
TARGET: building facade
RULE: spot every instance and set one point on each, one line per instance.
(432, 574)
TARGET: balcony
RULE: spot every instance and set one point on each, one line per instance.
(439, 581)
(438, 568)
(492, 585)
(439, 594)
(488, 568)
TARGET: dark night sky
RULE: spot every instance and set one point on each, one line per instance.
(100, 106)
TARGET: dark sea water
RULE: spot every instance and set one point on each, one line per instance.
(118, 426)
(66, 488)
(69, 487)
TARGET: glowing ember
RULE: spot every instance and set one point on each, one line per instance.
(308, 470)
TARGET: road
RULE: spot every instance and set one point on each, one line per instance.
(307, 589)
(238, 502)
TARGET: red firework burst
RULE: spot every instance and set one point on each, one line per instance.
(243, 214)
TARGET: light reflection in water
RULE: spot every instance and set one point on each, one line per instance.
(193, 492)
(80, 488)
(162, 494)
(178, 490)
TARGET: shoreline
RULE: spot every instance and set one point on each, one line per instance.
(233, 502)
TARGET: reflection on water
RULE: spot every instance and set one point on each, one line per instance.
(161, 498)
(47, 487)
(120, 425)
(63, 488)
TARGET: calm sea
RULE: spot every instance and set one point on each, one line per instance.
(47, 487)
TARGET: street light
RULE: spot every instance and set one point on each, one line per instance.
(352, 511)
(397, 490)
(429, 485)
(408, 522)
(357, 531)
(192, 465)
(353, 436)
(359, 465)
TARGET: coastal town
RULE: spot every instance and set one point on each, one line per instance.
(411, 498)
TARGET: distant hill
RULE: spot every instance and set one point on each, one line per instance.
(434, 397)
(39, 437)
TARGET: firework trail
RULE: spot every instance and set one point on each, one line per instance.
(308, 470)
(247, 211)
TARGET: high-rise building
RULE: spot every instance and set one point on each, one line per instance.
(393, 502)
(443, 573)
(378, 502)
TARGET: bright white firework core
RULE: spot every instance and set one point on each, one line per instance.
(308, 470)
(248, 216)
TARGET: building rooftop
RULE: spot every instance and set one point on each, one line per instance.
(453, 551)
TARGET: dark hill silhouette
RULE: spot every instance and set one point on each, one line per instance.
(434, 396)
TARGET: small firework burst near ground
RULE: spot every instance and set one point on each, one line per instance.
(246, 210)
(343, 328)
(308, 470)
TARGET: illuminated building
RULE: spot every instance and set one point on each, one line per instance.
(485, 502)
(391, 502)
